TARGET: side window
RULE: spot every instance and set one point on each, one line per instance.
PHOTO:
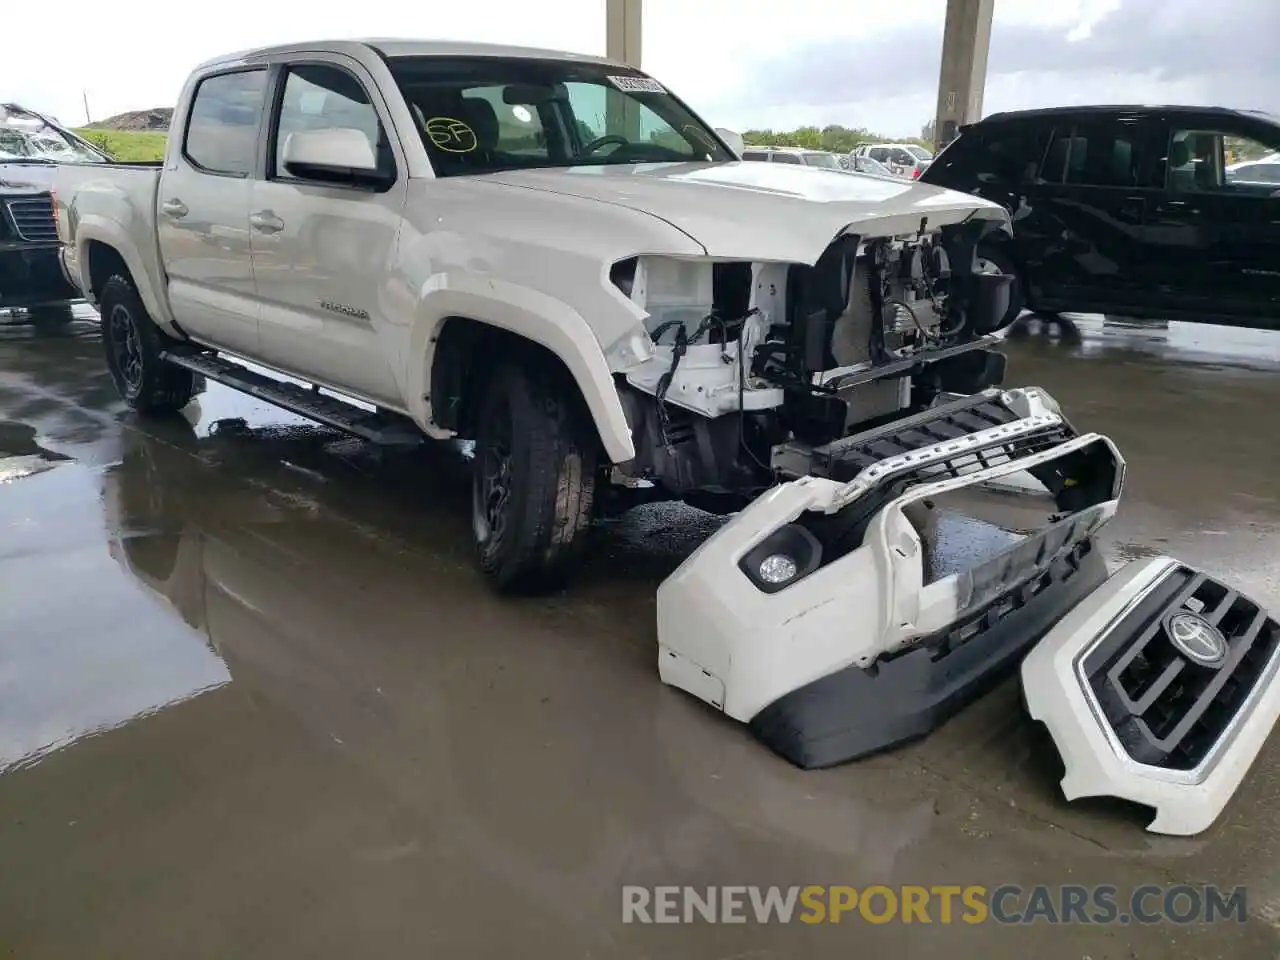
(1108, 155)
(323, 97)
(903, 158)
(785, 158)
(754, 155)
(222, 130)
(1214, 161)
(880, 154)
(1011, 154)
(1196, 161)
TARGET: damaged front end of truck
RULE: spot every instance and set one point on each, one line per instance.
(906, 528)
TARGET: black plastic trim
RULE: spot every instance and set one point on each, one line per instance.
(855, 712)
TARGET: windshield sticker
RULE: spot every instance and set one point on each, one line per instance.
(637, 84)
(450, 135)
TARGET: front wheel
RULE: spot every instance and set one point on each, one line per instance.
(533, 479)
(993, 258)
(134, 346)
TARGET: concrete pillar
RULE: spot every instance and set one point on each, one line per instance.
(624, 23)
(965, 42)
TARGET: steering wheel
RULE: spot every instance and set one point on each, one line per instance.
(608, 138)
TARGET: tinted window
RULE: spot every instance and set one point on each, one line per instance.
(754, 155)
(1107, 155)
(880, 154)
(320, 97)
(222, 132)
(785, 158)
(1011, 154)
(487, 114)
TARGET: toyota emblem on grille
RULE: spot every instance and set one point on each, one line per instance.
(1197, 639)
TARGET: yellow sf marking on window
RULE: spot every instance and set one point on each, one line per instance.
(450, 135)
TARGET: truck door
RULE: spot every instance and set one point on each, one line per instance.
(203, 211)
(1219, 229)
(324, 250)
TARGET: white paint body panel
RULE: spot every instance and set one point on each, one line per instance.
(529, 252)
(1095, 765)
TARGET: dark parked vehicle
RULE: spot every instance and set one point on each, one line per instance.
(31, 274)
(1136, 211)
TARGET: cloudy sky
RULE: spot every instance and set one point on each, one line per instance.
(741, 63)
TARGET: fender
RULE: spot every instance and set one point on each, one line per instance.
(91, 227)
(531, 315)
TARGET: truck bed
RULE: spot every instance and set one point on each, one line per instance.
(115, 204)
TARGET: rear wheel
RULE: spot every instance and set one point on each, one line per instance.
(533, 480)
(133, 345)
(993, 258)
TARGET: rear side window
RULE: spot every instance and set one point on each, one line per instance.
(785, 158)
(1106, 155)
(222, 130)
(1012, 153)
(754, 155)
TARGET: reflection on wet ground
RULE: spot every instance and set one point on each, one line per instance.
(255, 701)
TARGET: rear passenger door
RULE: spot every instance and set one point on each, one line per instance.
(203, 211)
(1098, 178)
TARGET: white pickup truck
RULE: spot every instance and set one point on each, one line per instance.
(553, 256)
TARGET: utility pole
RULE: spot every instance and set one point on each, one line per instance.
(966, 40)
(87, 119)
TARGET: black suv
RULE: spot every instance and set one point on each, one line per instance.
(1156, 212)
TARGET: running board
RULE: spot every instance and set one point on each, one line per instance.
(382, 428)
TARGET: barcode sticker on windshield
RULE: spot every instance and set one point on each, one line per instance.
(637, 84)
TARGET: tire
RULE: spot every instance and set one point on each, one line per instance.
(998, 256)
(133, 345)
(533, 479)
(51, 318)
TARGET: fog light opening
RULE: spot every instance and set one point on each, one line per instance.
(778, 568)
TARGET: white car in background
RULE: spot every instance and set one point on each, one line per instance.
(903, 159)
(822, 159)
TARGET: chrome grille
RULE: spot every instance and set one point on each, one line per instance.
(33, 219)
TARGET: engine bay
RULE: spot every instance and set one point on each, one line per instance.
(751, 356)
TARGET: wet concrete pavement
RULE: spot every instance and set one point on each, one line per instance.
(255, 702)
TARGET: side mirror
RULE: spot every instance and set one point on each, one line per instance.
(734, 140)
(335, 155)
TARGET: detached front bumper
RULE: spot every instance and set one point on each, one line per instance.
(872, 645)
(1146, 704)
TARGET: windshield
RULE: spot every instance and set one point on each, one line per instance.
(481, 115)
(26, 136)
(827, 160)
(920, 153)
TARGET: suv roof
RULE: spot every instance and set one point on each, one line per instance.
(1119, 108)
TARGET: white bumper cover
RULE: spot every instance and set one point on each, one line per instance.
(743, 649)
(1111, 681)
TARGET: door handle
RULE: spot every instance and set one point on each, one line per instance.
(266, 222)
(174, 208)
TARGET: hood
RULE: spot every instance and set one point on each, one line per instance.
(24, 178)
(760, 211)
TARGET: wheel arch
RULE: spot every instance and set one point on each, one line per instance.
(459, 324)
